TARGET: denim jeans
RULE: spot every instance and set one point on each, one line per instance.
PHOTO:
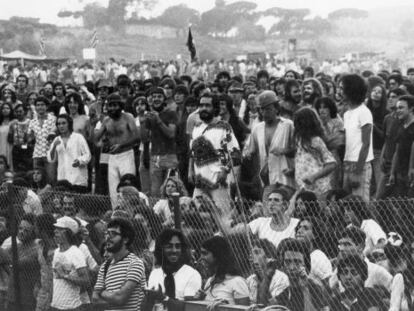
(363, 187)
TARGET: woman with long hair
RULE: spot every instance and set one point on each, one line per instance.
(377, 103)
(401, 267)
(313, 231)
(75, 108)
(6, 116)
(334, 137)
(313, 161)
(225, 284)
(165, 207)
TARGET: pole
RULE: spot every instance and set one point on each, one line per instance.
(11, 194)
(177, 211)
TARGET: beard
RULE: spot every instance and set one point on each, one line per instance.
(116, 247)
(206, 116)
(115, 114)
(309, 98)
(158, 108)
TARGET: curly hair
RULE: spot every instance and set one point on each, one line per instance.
(307, 126)
(178, 184)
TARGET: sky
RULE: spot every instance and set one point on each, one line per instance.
(47, 10)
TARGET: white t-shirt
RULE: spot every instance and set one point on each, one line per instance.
(91, 265)
(261, 228)
(233, 287)
(321, 267)
(66, 295)
(373, 232)
(278, 284)
(187, 281)
(354, 120)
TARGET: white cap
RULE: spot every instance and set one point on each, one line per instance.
(66, 222)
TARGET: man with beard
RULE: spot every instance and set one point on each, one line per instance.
(121, 279)
(122, 134)
(123, 85)
(213, 143)
(174, 278)
(162, 123)
(311, 90)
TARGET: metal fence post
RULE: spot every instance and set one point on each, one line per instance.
(177, 211)
(11, 196)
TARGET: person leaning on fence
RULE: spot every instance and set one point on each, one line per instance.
(304, 292)
(174, 278)
(225, 285)
(353, 272)
(351, 242)
(121, 278)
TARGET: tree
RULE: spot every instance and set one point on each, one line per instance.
(348, 13)
(248, 31)
(179, 16)
(94, 15)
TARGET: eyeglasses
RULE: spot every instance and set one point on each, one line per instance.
(112, 233)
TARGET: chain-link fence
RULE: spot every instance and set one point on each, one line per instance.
(259, 234)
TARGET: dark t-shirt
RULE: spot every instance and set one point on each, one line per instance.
(366, 299)
(55, 106)
(391, 127)
(161, 143)
(405, 140)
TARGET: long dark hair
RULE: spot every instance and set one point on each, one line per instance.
(307, 126)
(77, 98)
(164, 237)
(225, 261)
(378, 113)
(11, 115)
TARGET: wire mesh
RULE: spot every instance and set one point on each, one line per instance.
(259, 237)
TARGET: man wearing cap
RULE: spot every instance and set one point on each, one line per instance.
(122, 134)
(69, 267)
(213, 143)
(236, 92)
(96, 109)
(272, 139)
(162, 124)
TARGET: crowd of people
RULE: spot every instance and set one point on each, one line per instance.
(291, 190)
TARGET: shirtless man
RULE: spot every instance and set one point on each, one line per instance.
(122, 134)
(272, 139)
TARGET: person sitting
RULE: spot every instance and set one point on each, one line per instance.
(165, 207)
(353, 272)
(352, 242)
(401, 266)
(304, 292)
(267, 284)
(174, 277)
(358, 214)
(313, 231)
(225, 285)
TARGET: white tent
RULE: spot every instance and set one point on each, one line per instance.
(21, 55)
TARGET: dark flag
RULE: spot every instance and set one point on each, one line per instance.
(190, 45)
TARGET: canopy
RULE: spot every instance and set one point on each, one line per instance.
(22, 55)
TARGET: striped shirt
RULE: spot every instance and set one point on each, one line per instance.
(130, 268)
